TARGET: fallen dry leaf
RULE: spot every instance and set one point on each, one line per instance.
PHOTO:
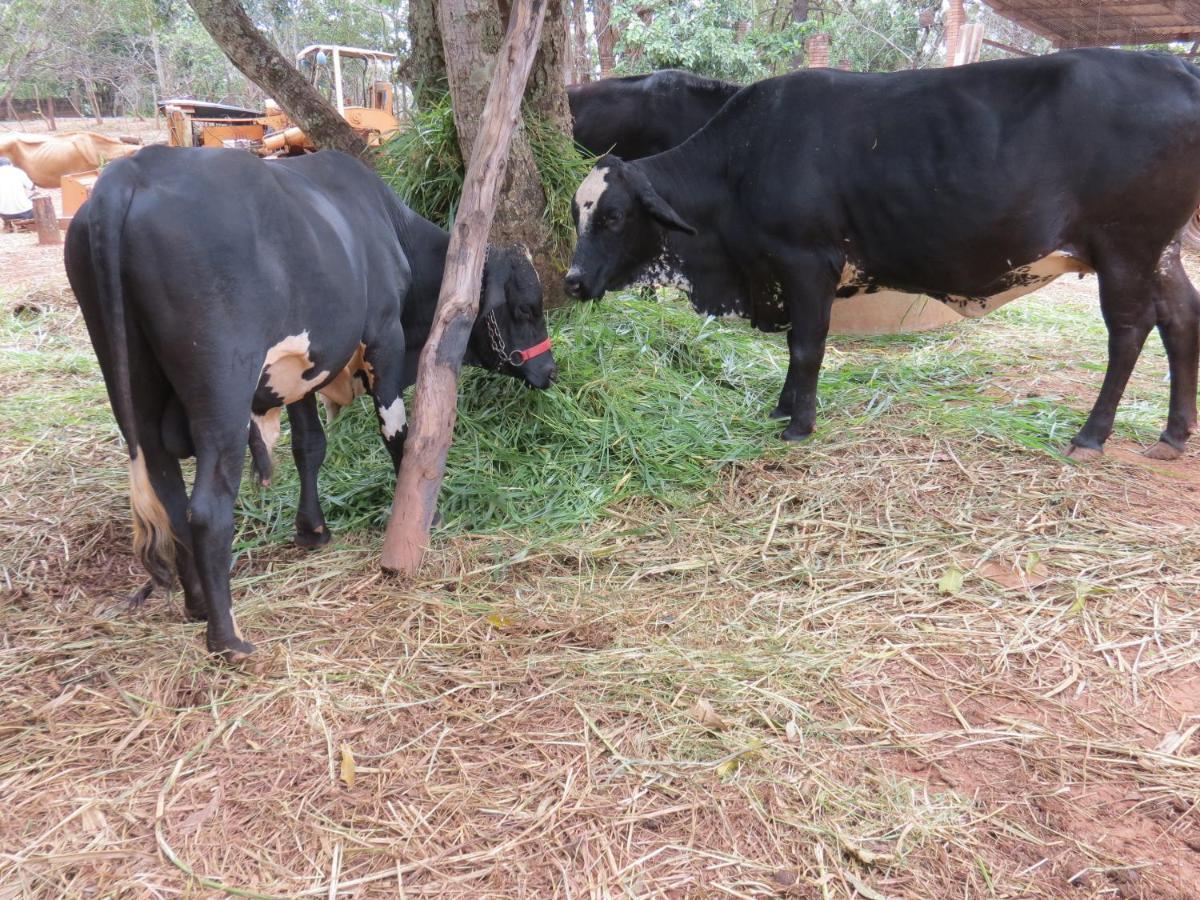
(703, 713)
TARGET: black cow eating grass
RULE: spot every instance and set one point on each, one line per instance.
(218, 288)
(974, 185)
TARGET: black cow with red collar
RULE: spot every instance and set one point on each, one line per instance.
(218, 288)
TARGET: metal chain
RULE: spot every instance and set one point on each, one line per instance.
(497, 340)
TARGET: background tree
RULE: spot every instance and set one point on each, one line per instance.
(467, 50)
(260, 61)
(425, 67)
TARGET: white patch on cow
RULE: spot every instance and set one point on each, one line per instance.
(284, 368)
(1025, 280)
(588, 196)
(664, 270)
(1167, 259)
(393, 418)
(268, 428)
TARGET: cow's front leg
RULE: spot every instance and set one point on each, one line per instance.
(783, 409)
(308, 450)
(810, 300)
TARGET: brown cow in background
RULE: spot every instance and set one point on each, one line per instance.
(46, 158)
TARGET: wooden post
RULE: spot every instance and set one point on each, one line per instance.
(435, 399)
(970, 40)
(46, 219)
(956, 16)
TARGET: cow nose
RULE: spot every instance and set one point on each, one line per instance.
(573, 282)
(552, 375)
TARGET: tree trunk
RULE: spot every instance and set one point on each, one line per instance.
(606, 36)
(257, 59)
(569, 67)
(799, 16)
(546, 93)
(95, 101)
(471, 35)
(435, 399)
(425, 69)
(583, 53)
(160, 71)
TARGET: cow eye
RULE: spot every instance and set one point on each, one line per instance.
(614, 221)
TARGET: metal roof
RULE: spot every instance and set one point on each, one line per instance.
(1090, 23)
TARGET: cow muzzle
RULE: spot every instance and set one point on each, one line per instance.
(573, 283)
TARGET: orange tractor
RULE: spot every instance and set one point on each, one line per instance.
(358, 83)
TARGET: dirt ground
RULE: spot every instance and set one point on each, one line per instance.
(895, 662)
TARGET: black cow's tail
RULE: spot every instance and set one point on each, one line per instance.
(153, 540)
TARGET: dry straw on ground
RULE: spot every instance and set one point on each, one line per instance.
(919, 656)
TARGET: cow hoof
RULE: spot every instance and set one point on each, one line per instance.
(1084, 454)
(311, 540)
(232, 651)
(1162, 450)
(779, 413)
(795, 433)
(193, 614)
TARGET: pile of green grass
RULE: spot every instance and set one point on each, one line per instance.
(652, 400)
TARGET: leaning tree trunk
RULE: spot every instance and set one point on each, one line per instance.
(260, 61)
(435, 399)
(471, 42)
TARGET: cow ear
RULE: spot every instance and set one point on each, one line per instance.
(662, 211)
(494, 278)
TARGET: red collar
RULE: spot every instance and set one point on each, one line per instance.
(524, 356)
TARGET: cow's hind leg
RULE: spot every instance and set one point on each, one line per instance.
(163, 439)
(167, 480)
(1178, 308)
(220, 453)
(1127, 302)
(308, 449)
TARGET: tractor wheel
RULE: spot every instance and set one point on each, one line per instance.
(1191, 232)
